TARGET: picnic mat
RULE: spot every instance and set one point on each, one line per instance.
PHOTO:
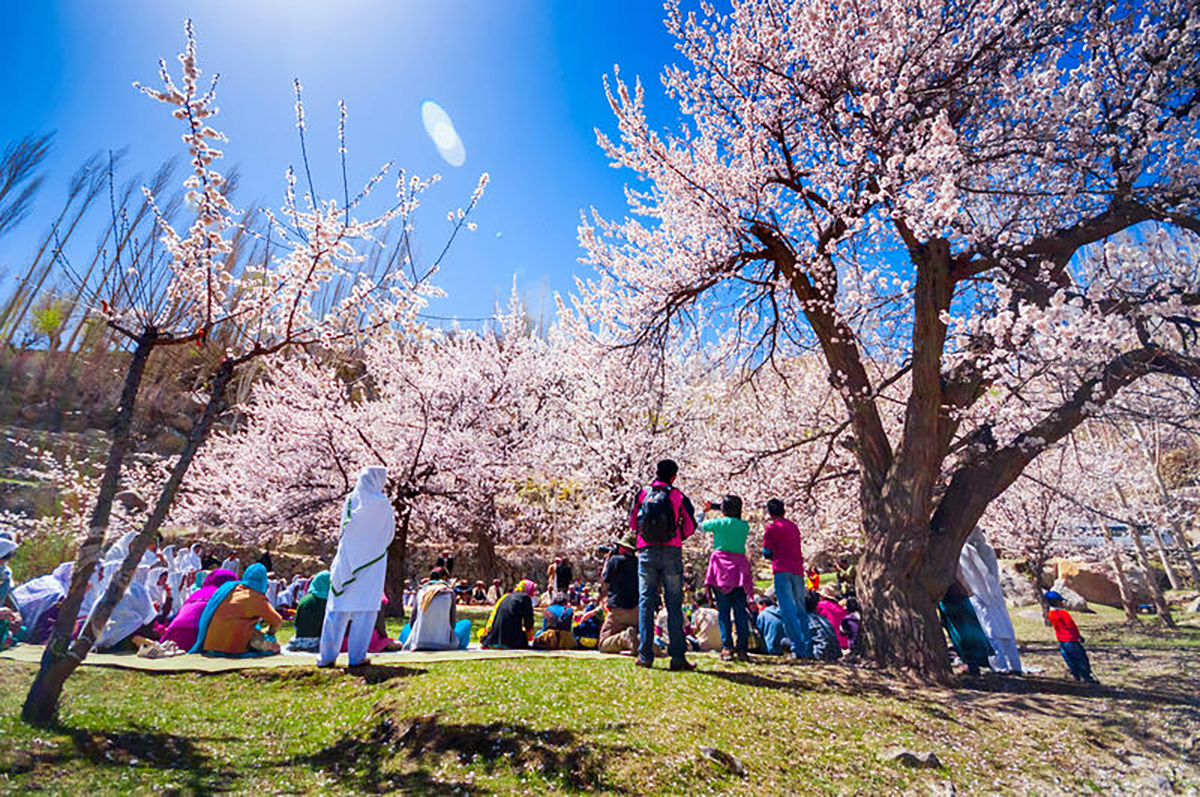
(194, 662)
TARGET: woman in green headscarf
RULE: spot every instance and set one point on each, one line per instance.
(310, 614)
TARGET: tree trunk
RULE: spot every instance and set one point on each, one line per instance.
(1143, 560)
(900, 580)
(1127, 601)
(1162, 555)
(41, 704)
(397, 566)
(1185, 545)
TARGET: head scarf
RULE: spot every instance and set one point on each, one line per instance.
(256, 578)
(34, 597)
(7, 546)
(527, 586)
(63, 574)
(117, 552)
(368, 525)
(319, 586)
(200, 577)
(133, 611)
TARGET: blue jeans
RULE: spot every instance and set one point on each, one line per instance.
(1077, 660)
(660, 566)
(790, 591)
(735, 600)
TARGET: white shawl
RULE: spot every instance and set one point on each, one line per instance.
(360, 565)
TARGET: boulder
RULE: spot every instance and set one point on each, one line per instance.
(1019, 589)
(1095, 584)
(1072, 600)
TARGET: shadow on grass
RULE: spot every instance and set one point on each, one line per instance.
(560, 755)
(138, 747)
(314, 676)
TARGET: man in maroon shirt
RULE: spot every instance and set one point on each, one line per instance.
(781, 544)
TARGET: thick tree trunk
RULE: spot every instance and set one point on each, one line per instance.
(397, 566)
(41, 704)
(902, 576)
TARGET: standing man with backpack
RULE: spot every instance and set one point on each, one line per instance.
(663, 518)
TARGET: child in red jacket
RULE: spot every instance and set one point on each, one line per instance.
(1070, 643)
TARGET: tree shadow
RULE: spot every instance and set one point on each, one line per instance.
(138, 747)
(559, 754)
(317, 676)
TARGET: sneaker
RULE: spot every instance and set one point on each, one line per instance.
(643, 663)
(726, 654)
(682, 666)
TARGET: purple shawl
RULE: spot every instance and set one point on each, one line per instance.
(728, 571)
(186, 625)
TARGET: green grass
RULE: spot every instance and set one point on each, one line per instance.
(558, 725)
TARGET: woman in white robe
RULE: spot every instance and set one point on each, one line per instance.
(980, 571)
(358, 569)
(134, 611)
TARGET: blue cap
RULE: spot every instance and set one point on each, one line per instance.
(1053, 597)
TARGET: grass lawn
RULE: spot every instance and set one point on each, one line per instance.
(536, 725)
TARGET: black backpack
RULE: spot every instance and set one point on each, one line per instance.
(656, 519)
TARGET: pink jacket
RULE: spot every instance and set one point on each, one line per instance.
(685, 516)
(834, 613)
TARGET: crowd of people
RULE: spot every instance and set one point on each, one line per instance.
(648, 603)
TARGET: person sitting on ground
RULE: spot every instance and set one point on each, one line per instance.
(186, 625)
(478, 594)
(729, 576)
(588, 625)
(310, 615)
(435, 625)
(511, 623)
(962, 625)
(771, 626)
(1070, 641)
(39, 600)
(825, 644)
(556, 632)
(833, 611)
(706, 625)
(813, 579)
(495, 592)
(130, 627)
(10, 623)
(230, 623)
(852, 626)
(619, 633)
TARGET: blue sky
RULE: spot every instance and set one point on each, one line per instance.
(520, 79)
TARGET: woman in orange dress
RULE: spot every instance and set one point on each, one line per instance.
(233, 613)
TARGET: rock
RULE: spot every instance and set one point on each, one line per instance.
(1018, 588)
(1194, 606)
(910, 758)
(724, 760)
(131, 501)
(1092, 584)
(168, 442)
(1072, 600)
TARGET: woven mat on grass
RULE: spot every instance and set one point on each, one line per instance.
(194, 662)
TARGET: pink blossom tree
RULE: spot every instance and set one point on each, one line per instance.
(936, 189)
